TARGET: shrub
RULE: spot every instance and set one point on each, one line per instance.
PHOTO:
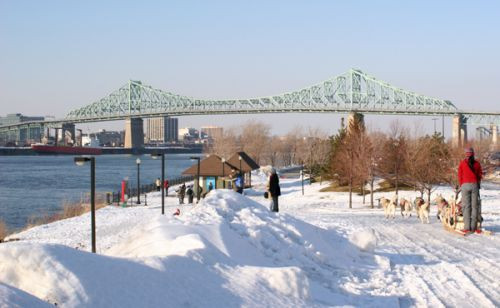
(3, 231)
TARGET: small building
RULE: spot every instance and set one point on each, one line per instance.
(213, 171)
(221, 173)
(244, 163)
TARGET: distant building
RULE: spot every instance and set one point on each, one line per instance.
(163, 129)
(23, 136)
(188, 133)
(90, 141)
(15, 118)
(212, 132)
(107, 138)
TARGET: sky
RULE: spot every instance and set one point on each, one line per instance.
(56, 56)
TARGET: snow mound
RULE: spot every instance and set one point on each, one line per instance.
(365, 239)
(11, 297)
(227, 251)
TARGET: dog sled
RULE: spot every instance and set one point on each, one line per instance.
(453, 220)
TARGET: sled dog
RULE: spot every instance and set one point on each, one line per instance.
(422, 209)
(442, 204)
(389, 207)
(406, 207)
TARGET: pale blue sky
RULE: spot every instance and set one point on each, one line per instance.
(56, 56)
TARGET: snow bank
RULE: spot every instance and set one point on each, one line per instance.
(230, 251)
(226, 251)
(11, 297)
(364, 239)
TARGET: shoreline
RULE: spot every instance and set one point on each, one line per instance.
(25, 151)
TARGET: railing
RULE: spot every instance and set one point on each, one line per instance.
(115, 197)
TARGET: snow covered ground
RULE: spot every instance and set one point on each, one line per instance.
(230, 251)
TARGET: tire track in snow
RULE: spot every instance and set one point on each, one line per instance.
(413, 237)
(462, 288)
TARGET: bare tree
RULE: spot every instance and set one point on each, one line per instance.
(291, 145)
(314, 150)
(377, 141)
(393, 163)
(225, 145)
(272, 155)
(254, 139)
(428, 167)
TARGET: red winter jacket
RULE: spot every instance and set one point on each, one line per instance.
(465, 175)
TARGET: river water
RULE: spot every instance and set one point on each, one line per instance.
(35, 186)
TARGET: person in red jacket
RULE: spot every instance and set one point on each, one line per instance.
(165, 184)
(469, 178)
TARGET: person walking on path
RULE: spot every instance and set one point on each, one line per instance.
(469, 178)
(190, 194)
(239, 183)
(166, 187)
(181, 193)
(274, 190)
(158, 184)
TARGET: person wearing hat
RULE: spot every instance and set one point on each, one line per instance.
(469, 178)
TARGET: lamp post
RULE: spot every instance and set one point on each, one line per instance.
(80, 161)
(223, 182)
(138, 162)
(155, 156)
(434, 119)
(302, 177)
(197, 178)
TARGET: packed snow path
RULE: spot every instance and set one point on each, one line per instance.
(434, 267)
(231, 251)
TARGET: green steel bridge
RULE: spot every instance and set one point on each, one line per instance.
(353, 91)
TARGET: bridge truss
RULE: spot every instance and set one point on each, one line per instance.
(352, 91)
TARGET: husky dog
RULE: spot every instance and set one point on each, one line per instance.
(422, 209)
(442, 204)
(406, 207)
(389, 206)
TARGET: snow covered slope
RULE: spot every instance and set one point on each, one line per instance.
(230, 251)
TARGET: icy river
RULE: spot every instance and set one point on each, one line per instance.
(34, 186)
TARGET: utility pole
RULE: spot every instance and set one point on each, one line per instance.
(434, 119)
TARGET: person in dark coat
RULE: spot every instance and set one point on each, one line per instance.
(182, 193)
(190, 194)
(274, 190)
(469, 177)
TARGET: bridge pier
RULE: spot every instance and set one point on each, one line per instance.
(134, 133)
(355, 118)
(459, 130)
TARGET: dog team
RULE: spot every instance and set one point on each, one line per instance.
(422, 207)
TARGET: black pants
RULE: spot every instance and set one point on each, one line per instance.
(274, 206)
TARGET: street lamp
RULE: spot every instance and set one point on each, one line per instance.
(223, 182)
(242, 175)
(197, 178)
(302, 177)
(434, 119)
(155, 156)
(138, 162)
(80, 161)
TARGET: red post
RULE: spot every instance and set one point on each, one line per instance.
(165, 184)
(124, 190)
